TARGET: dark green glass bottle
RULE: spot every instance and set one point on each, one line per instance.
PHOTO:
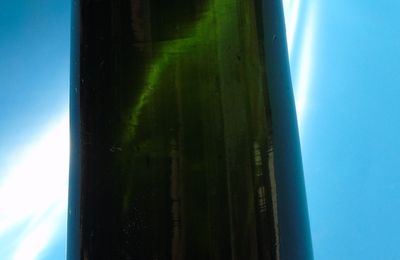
(184, 141)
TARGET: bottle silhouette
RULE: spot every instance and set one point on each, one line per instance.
(184, 141)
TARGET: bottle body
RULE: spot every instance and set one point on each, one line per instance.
(176, 153)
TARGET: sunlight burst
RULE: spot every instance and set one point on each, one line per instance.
(33, 193)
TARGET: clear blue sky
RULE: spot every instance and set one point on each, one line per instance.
(350, 126)
(345, 62)
(34, 76)
(34, 65)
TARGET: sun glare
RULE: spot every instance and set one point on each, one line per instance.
(291, 9)
(303, 81)
(33, 193)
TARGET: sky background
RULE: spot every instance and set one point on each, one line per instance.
(348, 109)
(34, 83)
(345, 64)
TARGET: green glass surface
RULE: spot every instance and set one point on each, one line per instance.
(171, 132)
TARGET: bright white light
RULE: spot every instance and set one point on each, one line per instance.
(40, 232)
(291, 9)
(33, 192)
(303, 81)
(286, 6)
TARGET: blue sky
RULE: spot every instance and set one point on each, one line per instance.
(34, 65)
(349, 125)
(345, 63)
(34, 73)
